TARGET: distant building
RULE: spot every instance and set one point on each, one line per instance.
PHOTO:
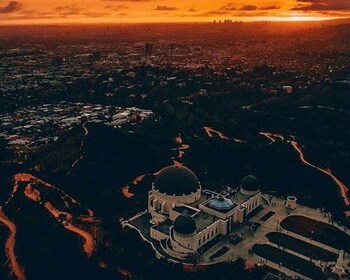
(148, 50)
(185, 217)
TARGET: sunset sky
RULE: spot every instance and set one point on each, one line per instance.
(120, 11)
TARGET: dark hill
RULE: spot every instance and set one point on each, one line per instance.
(107, 159)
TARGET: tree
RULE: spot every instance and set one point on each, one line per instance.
(194, 258)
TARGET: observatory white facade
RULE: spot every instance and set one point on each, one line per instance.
(184, 217)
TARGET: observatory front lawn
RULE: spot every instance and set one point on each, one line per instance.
(289, 261)
(319, 231)
(301, 247)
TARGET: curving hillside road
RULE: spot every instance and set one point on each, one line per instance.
(19, 177)
(271, 136)
(180, 150)
(88, 239)
(126, 190)
(34, 195)
(210, 132)
(16, 268)
(342, 188)
(86, 132)
(176, 161)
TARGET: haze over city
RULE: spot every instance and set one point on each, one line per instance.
(128, 11)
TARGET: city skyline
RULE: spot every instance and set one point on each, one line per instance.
(134, 11)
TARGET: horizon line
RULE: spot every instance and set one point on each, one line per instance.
(214, 21)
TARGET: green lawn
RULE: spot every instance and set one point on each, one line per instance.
(301, 247)
(319, 231)
(289, 261)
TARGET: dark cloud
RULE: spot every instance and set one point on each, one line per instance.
(322, 5)
(165, 8)
(68, 10)
(232, 7)
(117, 7)
(11, 7)
(74, 10)
(248, 8)
(228, 7)
(335, 13)
(95, 14)
(270, 7)
(192, 10)
(251, 14)
(29, 14)
(214, 13)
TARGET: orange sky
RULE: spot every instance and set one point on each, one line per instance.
(120, 11)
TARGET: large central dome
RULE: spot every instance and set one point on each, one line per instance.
(176, 180)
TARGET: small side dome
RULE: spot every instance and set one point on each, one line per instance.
(185, 224)
(250, 184)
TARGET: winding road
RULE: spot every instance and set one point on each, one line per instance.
(86, 132)
(342, 188)
(180, 150)
(210, 132)
(176, 161)
(271, 136)
(16, 268)
(126, 190)
(34, 194)
(88, 239)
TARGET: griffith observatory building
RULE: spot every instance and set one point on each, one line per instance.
(184, 217)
